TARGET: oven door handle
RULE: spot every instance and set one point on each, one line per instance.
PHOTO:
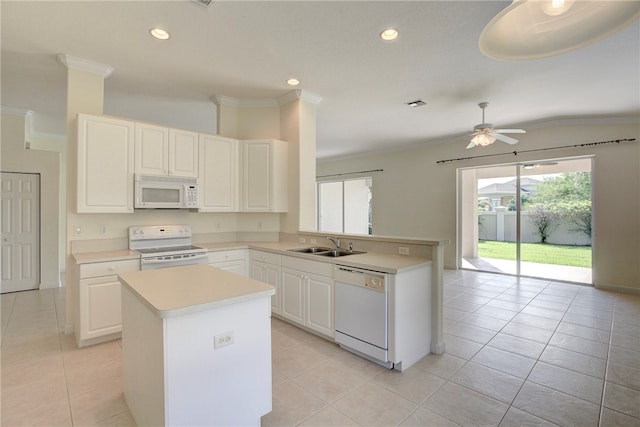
(163, 261)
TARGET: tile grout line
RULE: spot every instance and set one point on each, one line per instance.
(64, 363)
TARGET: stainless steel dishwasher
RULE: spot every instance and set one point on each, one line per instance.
(361, 313)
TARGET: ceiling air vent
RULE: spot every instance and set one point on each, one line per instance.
(203, 3)
(416, 103)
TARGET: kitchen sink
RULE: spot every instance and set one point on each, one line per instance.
(311, 250)
(319, 250)
(339, 252)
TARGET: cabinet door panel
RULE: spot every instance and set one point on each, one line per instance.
(218, 169)
(319, 295)
(235, 266)
(183, 153)
(101, 307)
(152, 149)
(257, 175)
(272, 277)
(105, 165)
(293, 295)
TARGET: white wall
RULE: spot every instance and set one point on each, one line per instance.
(56, 143)
(16, 159)
(416, 197)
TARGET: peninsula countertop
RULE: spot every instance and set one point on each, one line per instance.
(383, 262)
(171, 292)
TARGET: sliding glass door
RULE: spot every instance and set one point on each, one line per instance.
(529, 219)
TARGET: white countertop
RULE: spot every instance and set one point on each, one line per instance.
(386, 263)
(171, 292)
(104, 256)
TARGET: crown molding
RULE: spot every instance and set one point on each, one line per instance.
(299, 94)
(244, 102)
(291, 96)
(73, 62)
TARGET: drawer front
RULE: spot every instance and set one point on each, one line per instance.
(109, 268)
(230, 255)
(308, 266)
(267, 257)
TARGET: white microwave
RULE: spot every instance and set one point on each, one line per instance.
(165, 192)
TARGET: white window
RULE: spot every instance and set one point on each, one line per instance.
(345, 206)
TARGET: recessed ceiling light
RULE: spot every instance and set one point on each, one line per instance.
(389, 34)
(293, 82)
(159, 33)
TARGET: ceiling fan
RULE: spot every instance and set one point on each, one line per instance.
(484, 134)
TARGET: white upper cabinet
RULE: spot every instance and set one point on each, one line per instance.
(152, 149)
(264, 176)
(166, 151)
(105, 165)
(183, 153)
(219, 186)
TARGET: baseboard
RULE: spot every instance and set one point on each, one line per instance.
(50, 285)
(621, 289)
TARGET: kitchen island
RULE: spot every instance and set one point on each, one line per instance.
(196, 344)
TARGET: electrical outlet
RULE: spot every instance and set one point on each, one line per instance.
(104, 230)
(313, 241)
(77, 230)
(259, 225)
(403, 250)
(302, 240)
(223, 339)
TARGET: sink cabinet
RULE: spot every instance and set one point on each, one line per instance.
(307, 294)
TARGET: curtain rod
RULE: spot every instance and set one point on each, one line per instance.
(350, 173)
(515, 153)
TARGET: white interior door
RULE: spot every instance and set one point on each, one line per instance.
(20, 232)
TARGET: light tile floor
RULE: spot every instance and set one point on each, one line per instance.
(519, 352)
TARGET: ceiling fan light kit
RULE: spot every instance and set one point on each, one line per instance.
(533, 29)
(484, 134)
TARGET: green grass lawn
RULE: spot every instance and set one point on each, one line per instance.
(576, 256)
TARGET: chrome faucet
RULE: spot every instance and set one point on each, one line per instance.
(335, 241)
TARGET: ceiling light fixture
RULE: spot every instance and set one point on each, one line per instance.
(389, 34)
(532, 29)
(293, 82)
(484, 138)
(159, 33)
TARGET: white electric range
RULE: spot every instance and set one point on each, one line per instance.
(163, 246)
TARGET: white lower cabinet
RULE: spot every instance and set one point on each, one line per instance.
(235, 261)
(265, 267)
(100, 314)
(307, 294)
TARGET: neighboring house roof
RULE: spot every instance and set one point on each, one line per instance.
(527, 185)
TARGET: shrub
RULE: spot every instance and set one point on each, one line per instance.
(545, 218)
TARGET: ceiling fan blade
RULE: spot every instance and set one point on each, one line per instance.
(511, 130)
(505, 138)
(471, 145)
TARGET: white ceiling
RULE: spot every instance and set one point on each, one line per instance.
(247, 50)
